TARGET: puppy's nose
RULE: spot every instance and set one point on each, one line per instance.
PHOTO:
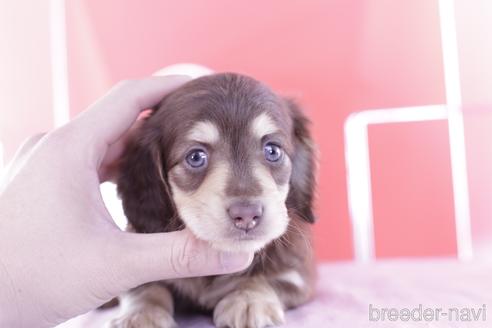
(245, 215)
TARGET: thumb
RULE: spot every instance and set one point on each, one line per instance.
(161, 256)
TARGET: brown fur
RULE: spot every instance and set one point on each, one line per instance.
(148, 203)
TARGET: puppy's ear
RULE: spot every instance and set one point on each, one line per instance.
(302, 181)
(143, 187)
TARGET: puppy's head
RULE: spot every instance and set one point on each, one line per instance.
(224, 156)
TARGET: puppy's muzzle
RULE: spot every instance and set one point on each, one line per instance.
(245, 215)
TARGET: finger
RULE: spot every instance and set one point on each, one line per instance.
(111, 116)
(108, 170)
(20, 156)
(27, 146)
(151, 257)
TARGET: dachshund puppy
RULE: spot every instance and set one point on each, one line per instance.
(233, 162)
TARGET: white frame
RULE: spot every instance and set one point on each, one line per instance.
(59, 63)
(357, 149)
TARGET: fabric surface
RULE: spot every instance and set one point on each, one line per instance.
(346, 290)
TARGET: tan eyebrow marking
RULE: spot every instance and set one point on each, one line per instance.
(263, 125)
(205, 132)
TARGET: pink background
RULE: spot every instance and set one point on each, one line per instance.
(336, 57)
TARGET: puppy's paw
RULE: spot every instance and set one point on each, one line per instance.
(149, 317)
(249, 309)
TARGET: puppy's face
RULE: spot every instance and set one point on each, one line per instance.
(229, 154)
(230, 185)
(229, 164)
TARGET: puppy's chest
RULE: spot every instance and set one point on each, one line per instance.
(204, 292)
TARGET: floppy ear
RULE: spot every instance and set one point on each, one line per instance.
(302, 181)
(143, 187)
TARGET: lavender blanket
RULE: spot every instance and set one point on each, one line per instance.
(397, 293)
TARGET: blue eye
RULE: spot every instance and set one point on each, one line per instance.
(273, 153)
(196, 158)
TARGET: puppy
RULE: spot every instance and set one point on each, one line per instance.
(233, 162)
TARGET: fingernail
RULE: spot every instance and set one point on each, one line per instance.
(235, 261)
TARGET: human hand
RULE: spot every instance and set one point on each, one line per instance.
(60, 252)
